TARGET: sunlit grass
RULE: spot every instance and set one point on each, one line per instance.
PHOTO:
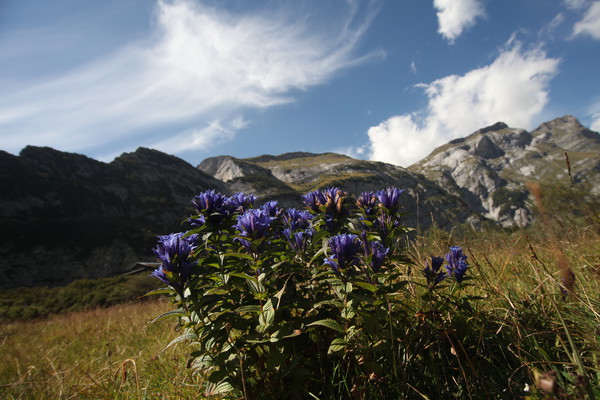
(105, 353)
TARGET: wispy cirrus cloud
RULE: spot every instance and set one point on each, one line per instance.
(589, 25)
(189, 82)
(512, 89)
(455, 16)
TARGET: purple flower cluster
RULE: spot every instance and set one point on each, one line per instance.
(253, 224)
(298, 230)
(347, 249)
(367, 202)
(432, 271)
(388, 198)
(297, 240)
(241, 202)
(456, 263)
(314, 200)
(456, 266)
(329, 203)
(213, 207)
(271, 209)
(380, 208)
(376, 253)
(332, 199)
(296, 219)
(174, 251)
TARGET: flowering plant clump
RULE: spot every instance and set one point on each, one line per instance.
(287, 303)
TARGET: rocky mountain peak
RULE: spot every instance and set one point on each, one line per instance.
(568, 134)
(489, 167)
(227, 168)
(498, 126)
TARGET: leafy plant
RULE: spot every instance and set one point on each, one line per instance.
(282, 303)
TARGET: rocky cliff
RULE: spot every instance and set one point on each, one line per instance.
(490, 168)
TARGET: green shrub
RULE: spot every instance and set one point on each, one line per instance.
(325, 304)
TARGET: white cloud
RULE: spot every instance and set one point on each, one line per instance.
(413, 67)
(595, 126)
(512, 89)
(548, 30)
(590, 24)
(454, 16)
(576, 4)
(193, 78)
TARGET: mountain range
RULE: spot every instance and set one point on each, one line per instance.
(66, 216)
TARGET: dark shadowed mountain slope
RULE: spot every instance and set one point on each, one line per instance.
(65, 216)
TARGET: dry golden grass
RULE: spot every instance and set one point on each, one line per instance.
(109, 353)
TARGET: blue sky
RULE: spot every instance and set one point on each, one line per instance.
(385, 80)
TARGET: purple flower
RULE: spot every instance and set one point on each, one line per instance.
(175, 252)
(367, 202)
(344, 251)
(254, 223)
(241, 202)
(315, 199)
(270, 208)
(388, 198)
(297, 240)
(377, 252)
(213, 206)
(296, 219)
(456, 263)
(335, 199)
(432, 271)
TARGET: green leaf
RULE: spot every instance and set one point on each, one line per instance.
(300, 372)
(254, 309)
(214, 389)
(267, 317)
(317, 255)
(335, 303)
(328, 323)
(244, 276)
(188, 336)
(217, 376)
(216, 291)
(269, 305)
(275, 360)
(337, 346)
(159, 291)
(361, 298)
(173, 313)
(374, 367)
(280, 293)
(365, 285)
(239, 255)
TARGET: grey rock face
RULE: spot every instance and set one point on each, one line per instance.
(490, 167)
